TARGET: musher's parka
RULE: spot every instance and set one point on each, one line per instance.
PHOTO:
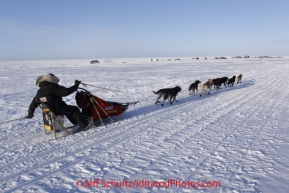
(50, 93)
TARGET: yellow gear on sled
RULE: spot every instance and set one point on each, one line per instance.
(51, 121)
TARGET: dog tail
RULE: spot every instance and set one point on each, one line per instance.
(155, 92)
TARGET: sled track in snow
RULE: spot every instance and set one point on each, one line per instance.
(257, 151)
(101, 144)
(212, 119)
(30, 138)
(238, 130)
(47, 154)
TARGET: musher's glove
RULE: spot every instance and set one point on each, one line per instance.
(77, 83)
(29, 116)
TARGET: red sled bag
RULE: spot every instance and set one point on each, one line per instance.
(100, 109)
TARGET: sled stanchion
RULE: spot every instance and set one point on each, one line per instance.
(45, 130)
(53, 127)
(102, 109)
(49, 121)
(65, 129)
(97, 113)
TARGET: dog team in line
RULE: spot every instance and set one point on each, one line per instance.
(171, 93)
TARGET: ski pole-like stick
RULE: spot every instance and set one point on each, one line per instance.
(100, 87)
(13, 120)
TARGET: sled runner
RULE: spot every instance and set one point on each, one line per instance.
(100, 109)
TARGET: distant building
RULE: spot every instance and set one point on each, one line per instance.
(154, 59)
(238, 57)
(246, 57)
(94, 61)
(177, 59)
(222, 57)
(216, 58)
(262, 57)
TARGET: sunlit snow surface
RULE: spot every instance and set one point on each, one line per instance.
(236, 136)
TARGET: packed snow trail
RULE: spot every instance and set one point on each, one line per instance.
(231, 136)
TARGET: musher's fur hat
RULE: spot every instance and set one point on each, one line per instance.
(48, 78)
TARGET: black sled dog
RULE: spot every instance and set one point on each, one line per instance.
(194, 87)
(231, 81)
(167, 93)
(221, 81)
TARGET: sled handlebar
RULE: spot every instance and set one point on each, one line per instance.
(83, 90)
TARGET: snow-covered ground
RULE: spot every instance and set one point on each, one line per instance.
(237, 137)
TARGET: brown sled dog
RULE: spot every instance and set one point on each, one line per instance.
(206, 86)
(239, 78)
(167, 93)
(194, 87)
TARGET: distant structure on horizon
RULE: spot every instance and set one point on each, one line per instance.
(238, 57)
(269, 57)
(94, 61)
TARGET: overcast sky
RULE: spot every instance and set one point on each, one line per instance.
(92, 29)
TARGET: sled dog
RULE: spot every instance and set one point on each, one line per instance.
(239, 78)
(207, 86)
(194, 87)
(221, 81)
(167, 93)
(231, 81)
(214, 82)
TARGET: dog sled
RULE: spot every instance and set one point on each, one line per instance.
(102, 112)
(100, 109)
